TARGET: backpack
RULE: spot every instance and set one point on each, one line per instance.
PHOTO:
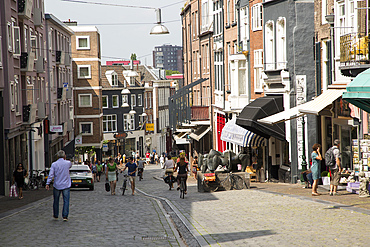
(330, 158)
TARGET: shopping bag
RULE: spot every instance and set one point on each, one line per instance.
(107, 187)
(13, 191)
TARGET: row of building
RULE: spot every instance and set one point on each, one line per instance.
(55, 94)
(271, 77)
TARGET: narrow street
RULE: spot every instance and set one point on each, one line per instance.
(224, 218)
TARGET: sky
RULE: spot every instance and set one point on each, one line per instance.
(120, 30)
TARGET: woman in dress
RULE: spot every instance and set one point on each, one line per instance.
(111, 175)
(19, 175)
(316, 167)
(195, 166)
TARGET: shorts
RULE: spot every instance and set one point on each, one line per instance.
(335, 177)
(132, 178)
(194, 169)
(147, 159)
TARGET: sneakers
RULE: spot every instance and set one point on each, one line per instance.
(335, 194)
(331, 193)
(65, 219)
(55, 218)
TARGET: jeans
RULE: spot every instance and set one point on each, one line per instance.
(56, 195)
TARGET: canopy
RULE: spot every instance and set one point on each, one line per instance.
(238, 135)
(358, 91)
(261, 108)
(200, 132)
(312, 107)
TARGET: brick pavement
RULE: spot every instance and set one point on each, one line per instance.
(253, 218)
(96, 218)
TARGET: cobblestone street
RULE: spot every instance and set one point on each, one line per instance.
(224, 218)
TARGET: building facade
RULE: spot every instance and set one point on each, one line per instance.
(168, 57)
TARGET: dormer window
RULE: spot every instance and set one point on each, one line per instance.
(112, 77)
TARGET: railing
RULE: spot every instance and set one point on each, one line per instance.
(199, 113)
(354, 49)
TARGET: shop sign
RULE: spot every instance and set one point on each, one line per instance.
(105, 147)
(149, 127)
(120, 135)
(56, 128)
(342, 108)
(78, 140)
(301, 85)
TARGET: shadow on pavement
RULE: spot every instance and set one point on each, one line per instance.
(234, 236)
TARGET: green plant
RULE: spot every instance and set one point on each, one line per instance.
(324, 174)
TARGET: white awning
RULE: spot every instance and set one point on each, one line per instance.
(314, 106)
(181, 138)
(238, 135)
(322, 101)
(182, 141)
(199, 133)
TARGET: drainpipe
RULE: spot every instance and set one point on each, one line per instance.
(47, 136)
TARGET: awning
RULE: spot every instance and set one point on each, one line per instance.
(312, 107)
(358, 91)
(69, 149)
(238, 135)
(261, 108)
(181, 138)
(322, 101)
(200, 132)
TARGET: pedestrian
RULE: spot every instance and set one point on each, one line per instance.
(59, 170)
(183, 170)
(335, 169)
(94, 170)
(123, 158)
(137, 156)
(99, 167)
(147, 157)
(111, 175)
(161, 161)
(132, 167)
(140, 168)
(195, 166)
(316, 167)
(19, 175)
(156, 158)
(133, 153)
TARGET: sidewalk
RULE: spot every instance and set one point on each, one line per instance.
(8, 205)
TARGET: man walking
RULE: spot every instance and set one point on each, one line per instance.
(335, 169)
(62, 182)
(131, 172)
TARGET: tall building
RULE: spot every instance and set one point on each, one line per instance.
(87, 87)
(168, 57)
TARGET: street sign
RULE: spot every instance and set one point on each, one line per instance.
(149, 127)
(120, 135)
(105, 147)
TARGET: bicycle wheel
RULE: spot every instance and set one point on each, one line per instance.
(226, 183)
(124, 186)
(238, 182)
(182, 189)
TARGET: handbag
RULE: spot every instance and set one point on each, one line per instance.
(13, 191)
(107, 186)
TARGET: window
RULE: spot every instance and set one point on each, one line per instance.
(228, 12)
(324, 11)
(84, 71)
(114, 80)
(86, 128)
(124, 100)
(10, 37)
(140, 100)
(133, 100)
(115, 101)
(244, 26)
(257, 17)
(16, 41)
(281, 43)
(83, 42)
(16, 94)
(34, 45)
(104, 101)
(12, 98)
(219, 82)
(258, 69)
(85, 100)
(30, 89)
(242, 77)
(129, 121)
(269, 45)
(150, 99)
(25, 38)
(109, 123)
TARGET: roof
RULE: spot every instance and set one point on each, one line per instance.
(84, 29)
(59, 23)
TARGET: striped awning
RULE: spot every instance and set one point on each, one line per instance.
(238, 135)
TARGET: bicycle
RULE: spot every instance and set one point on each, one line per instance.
(169, 179)
(35, 180)
(182, 187)
(233, 181)
(124, 184)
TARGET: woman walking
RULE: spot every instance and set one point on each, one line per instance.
(316, 167)
(195, 166)
(111, 175)
(19, 175)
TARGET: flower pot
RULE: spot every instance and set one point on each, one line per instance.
(325, 180)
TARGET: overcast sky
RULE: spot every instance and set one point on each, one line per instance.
(120, 31)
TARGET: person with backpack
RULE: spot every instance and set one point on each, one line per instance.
(332, 161)
(316, 167)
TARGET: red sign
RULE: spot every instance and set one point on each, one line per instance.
(120, 135)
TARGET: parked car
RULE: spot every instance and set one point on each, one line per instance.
(81, 177)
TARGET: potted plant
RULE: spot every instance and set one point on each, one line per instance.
(325, 177)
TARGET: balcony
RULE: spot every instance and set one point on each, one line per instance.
(60, 57)
(29, 113)
(199, 113)
(40, 65)
(354, 53)
(27, 61)
(61, 93)
(38, 17)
